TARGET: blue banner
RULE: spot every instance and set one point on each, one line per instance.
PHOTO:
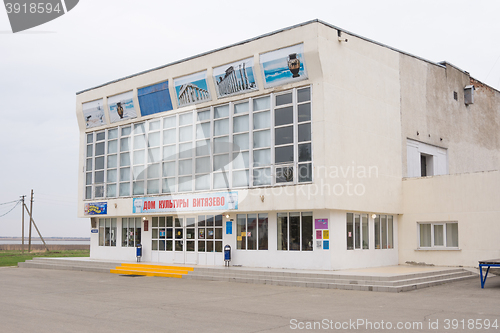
(96, 208)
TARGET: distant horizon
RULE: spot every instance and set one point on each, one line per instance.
(45, 238)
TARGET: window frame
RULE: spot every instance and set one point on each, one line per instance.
(170, 184)
(389, 237)
(137, 238)
(301, 232)
(103, 232)
(433, 246)
(355, 233)
(261, 242)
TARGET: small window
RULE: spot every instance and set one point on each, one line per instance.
(424, 160)
(438, 235)
(384, 232)
(131, 232)
(107, 232)
(426, 165)
(357, 231)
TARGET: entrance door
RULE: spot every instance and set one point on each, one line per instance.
(195, 240)
(185, 240)
(191, 256)
(210, 240)
(179, 240)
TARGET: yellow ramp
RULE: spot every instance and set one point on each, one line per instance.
(152, 270)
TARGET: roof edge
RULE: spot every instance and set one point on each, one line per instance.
(441, 64)
(380, 44)
(202, 54)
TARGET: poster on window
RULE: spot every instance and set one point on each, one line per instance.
(121, 107)
(93, 113)
(192, 89)
(235, 78)
(283, 66)
(321, 224)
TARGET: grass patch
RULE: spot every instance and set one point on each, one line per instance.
(12, 257)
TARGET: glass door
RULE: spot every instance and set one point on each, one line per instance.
(190, 241)
(179, 240)
(209, 239)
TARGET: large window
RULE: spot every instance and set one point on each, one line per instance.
(209, 233)
(262, 141)
(252, 231)
(295, 231)
(384, 234)
(202, 233)
(107, 232)
(357, 231)
(131, 232)
(438, 235)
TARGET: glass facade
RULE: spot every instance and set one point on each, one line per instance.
(262, 141)
(295, 231)
(202, 233)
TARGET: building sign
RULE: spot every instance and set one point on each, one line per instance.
(185, 203)
(283, 66)
(192, 89)
(93, 113)
(235, 78)
(96, 208)
(121, 107)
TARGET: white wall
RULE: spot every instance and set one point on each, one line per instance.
(469, 199)
(335, 258)
(341, 258)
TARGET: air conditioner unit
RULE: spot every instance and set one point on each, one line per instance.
(469, 95)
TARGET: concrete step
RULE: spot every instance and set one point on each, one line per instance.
(76, 264)
(339, 284)
(75, 261)
(281, 277)
(332, 278)
(227, 272)
(64, 266)
(152, 270)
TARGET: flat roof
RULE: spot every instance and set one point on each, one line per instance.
(440, 64)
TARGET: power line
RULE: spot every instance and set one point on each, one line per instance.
(18, 202)
(492, 68)
(5, 203)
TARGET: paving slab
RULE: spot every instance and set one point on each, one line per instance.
(41, 300)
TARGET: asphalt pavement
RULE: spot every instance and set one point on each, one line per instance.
(43, 300)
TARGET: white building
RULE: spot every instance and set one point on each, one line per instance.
(348, 153)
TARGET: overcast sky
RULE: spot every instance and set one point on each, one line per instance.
(98, 41)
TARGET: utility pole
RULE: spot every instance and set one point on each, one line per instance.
(22, 208)
(31, 219)
(39, 234)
